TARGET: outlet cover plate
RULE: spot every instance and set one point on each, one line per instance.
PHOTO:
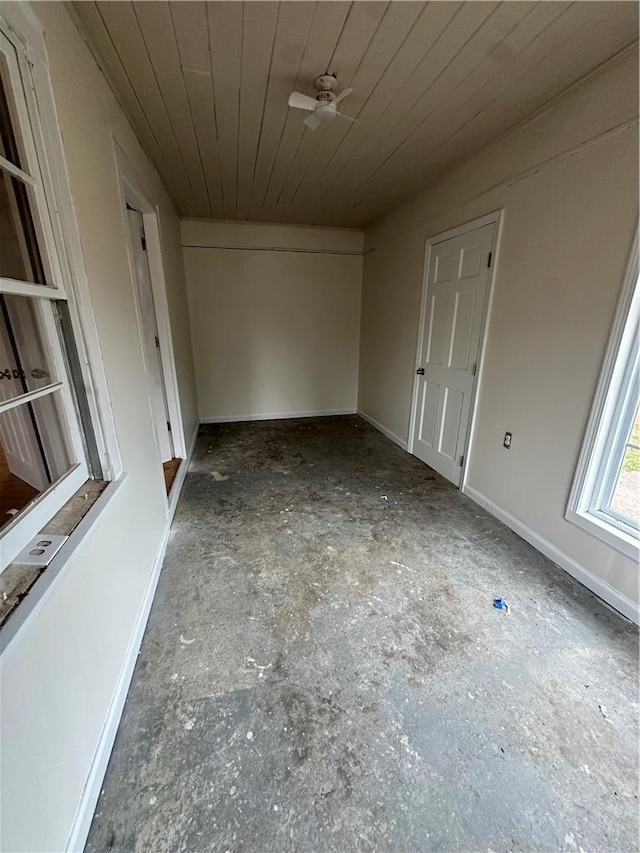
(41, 550)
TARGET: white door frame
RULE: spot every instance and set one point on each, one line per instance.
(497, 218)
(133, 192)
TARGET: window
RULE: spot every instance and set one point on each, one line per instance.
(605, 499)
(47, 444)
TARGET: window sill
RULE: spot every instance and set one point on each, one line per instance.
(606, 532)
(26, 587)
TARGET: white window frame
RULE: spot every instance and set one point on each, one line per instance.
(59, 244)
(609, 424)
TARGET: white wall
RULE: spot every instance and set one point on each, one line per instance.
(568, 184)
(275, 333)
(60, 671)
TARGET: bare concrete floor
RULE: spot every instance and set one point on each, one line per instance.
(324, 670)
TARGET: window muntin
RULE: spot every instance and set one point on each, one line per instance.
(42, 442)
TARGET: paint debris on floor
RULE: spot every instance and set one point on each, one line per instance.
(326, 670)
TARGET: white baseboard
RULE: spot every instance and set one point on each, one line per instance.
(598, 586)
(390, 435)
(86, 808)
(276, 416)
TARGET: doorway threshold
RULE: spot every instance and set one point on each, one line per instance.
(170, 469)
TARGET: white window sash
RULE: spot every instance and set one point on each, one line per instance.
(25, 32)
(22, 90)
(609, 425)
(17, 533)
(624, 417)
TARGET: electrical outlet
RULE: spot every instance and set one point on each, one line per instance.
(41, 550)
(507, 440)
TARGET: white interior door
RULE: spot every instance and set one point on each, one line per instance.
(149, 332)
(457, 286)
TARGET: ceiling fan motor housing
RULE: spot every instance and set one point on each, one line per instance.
(326, 82)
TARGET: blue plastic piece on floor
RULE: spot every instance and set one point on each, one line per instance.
(500, 604)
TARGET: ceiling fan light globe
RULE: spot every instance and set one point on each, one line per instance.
(325, 112)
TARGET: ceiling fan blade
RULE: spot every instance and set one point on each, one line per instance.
(312, 122)
(302, 102)
(342, 95)
(342, 115)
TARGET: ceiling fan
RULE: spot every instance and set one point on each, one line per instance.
(324, 107)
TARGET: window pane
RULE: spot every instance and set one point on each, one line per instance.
(35, 451)
(25, 362)
(626, 494)
(19, 253)
(8, 142)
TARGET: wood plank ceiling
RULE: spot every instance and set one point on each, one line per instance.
(206, 87)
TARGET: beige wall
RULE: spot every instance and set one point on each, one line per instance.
(568, 185)
(275, 333)
(60, 672)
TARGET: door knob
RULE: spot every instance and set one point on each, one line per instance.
(420, 371)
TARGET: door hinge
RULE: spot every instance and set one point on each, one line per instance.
(461, 461)
(168, 426)
(489, 259)
(157, 342)
(144, 243)
(473, 371)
